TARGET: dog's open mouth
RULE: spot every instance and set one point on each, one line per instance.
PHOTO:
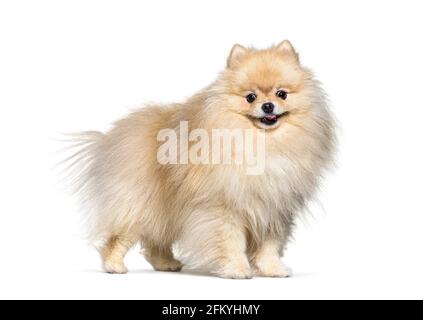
(271, 119)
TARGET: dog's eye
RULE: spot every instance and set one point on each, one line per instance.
(251, 97)
(282, 94)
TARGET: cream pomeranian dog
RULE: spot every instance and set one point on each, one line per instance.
(219, 216)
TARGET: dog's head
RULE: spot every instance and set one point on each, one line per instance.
(265, 86)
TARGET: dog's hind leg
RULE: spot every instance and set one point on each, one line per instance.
(114, 251)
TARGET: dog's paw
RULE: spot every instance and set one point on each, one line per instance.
(235, 271)
(114, 267)
(235, 274)
(168, 265)
(273, 268)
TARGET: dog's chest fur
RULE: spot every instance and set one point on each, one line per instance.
(268, 201)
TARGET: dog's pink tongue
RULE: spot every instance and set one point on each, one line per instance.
(270, 117)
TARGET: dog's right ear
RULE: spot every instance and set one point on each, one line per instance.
(236, 55)
(287, 48)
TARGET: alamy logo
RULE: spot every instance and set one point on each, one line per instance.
(241, 147)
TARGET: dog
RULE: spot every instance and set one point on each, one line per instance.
(219, 217)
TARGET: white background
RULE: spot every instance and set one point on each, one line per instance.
(75, 65)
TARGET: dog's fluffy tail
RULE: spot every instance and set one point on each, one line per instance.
(81, 152)
(77, 169)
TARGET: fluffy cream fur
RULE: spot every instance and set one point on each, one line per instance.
(235, 225)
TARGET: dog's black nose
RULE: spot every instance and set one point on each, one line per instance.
(267, 107)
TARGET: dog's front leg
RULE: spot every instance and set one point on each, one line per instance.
(217, 239)
(231, 258)
(267, 261)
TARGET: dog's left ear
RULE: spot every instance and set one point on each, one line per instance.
(287, 48)
(236, 55)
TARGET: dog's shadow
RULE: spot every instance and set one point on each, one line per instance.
(186, 272)
(183, 272)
